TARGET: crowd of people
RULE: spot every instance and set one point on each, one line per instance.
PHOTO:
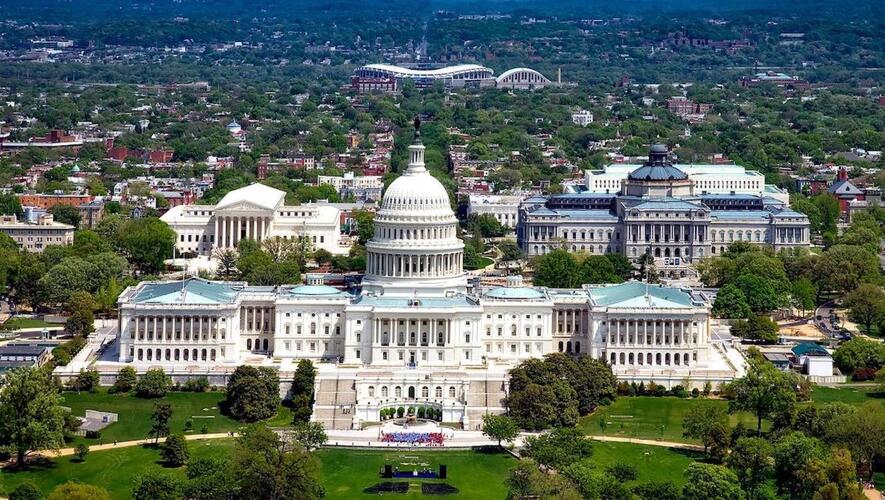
(426, 438)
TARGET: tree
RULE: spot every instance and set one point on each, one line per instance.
(487, 225)
(859, 353)
(799, 465)
(558, 448)
(227, 261)
(865, 305)
(731, 303)
(81, 451)
(210, 479)
(311, 435)
(106, 296)
(761, 295)
(81, 320)
(146, 242)
(751, 459)
(157, 485)
(862, 432)
(510, 251)
(66, 214)
(557, 269)
(160, 420)
(500, 428)
(86, 380)
(527, 482)
(268, 468)
(595, 484)
(31, 416)
(77, 491)
(26, 491)
(302, 391)
(657, 490)
(709, 423)
(10, 205)
(126, 380)
(843, 268)
(706, 481)
(153, 384)
(253, 393)
(598, 269)
(803, 293)
(175, 450)
(764, 391)
(758, 327)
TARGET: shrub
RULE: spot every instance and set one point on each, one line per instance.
(660, 391)
(863, 374)
(695, 392)
(175, 450)
(93, 434)
(153, 384)
(623, 472)
(188, 425)
(126, 380)
(26, 491)
(200, 384)
(400, 412)
(679, 391)
(421, 412)
(81, 451)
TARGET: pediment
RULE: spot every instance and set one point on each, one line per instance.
(242, 206)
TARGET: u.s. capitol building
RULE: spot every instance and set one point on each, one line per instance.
(416, 332)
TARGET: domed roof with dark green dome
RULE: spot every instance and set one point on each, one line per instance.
(658, 167)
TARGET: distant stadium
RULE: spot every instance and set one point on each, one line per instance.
(389, 78)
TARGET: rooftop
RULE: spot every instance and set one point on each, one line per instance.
(636, 294)
(189, 291)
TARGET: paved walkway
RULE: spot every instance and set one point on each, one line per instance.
(370, 439)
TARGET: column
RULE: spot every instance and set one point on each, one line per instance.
(239, 232)
(215, 234)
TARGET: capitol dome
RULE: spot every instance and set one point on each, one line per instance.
(415, 248)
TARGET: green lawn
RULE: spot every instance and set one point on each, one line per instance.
(851, 394)
(477, 475)
(135, 413)
(114, 470)
(18, 323)
(646, 417)
(654, 463)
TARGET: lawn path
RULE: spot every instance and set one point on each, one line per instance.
(365, 443)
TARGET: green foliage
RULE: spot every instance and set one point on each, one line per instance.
(709, 424)
(302, 391)
(556, 390)
(764, 391)
(760, 328)
(9, 205)
(146, 243)
(267, 468)
(500, 428)
(526, 481)
(799, 465)
(81, 451)
(66, 214)
(126, 380)
(487, 225)
(157, 485)
(81, 321)
(751, 460)
(311, 435)
(175, 450)
(731, 303)
(859, 353)
(160, 420)
(31, 416)
(252, 393)
(561, 269)
(153, 384)
(558, 448)
(706, 481)
(657, 491)
(865, 305)
(595, 484)
(77, 491)
(26, 491)
(86, 380)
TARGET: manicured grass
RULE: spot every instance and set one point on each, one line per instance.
(18, 323)
(114, 470)
(653, 463)
(850, 394)
(476, 474)
(135, 413)
(646, 417)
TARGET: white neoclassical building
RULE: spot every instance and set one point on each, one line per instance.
(254, 212)
(416, 333)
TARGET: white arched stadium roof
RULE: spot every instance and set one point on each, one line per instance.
(513, 71)
(446, 72)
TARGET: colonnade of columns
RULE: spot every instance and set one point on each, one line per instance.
(415, 266)
(230, 230)
(570, 320)
(257, 319)
(667, 233)
(171, 328)
(666, 333)
(389, 332)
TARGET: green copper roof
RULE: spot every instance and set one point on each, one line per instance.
(189, 291)
(514, 293)
(638, 294)
(315, 290)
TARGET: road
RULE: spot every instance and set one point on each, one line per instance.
(824, 311)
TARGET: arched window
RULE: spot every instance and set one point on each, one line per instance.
(249, 344)
(425, 392)
(397, 392)
(384, 391)
(437, 392)
(452, 391)
(371, 391)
